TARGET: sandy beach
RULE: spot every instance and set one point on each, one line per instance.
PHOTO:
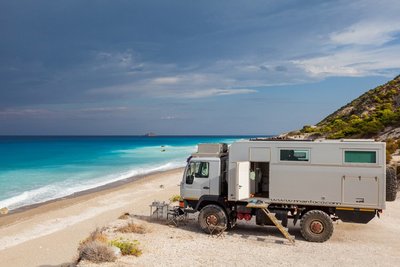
(49, 235)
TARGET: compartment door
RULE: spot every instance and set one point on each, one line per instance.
(360, 190)
(243, 179)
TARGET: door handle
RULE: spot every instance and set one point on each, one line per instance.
(206, 187)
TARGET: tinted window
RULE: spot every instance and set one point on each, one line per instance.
(360, 156)
(295, 155)
(196, 170)
(201, 169)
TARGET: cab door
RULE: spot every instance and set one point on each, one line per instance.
(196, 180)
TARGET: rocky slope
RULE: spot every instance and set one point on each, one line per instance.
(375, 114)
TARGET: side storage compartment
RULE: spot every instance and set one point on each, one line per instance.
(360, 190)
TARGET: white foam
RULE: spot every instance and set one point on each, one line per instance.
(66, 188)
(25, 197)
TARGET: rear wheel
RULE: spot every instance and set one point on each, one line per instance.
(213, 219)
(391, 184)
(316, 226)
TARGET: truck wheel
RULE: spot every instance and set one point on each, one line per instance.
(213, 219)
(391, 184)
(316, 226)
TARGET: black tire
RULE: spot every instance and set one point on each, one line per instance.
(391, 184)
(213, 219)
(316, 226)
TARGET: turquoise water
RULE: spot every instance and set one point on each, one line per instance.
(38, 169)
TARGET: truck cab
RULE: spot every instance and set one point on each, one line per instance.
(205, 175)
(201, 177)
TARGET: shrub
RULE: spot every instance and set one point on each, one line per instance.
(308, 129)
(96, 235)
(377, 99)
(372, 127)
(338, 124)
(175, 198)
(336, 135)
(128, 247)
(132, 227)
(355, 121)
(124, 216)
(391, 146)
(293, 133)
(96, 251)
(326, 129)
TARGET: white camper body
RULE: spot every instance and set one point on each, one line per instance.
(316, 182)
(326, 173)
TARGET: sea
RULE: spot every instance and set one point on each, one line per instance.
(36, 169)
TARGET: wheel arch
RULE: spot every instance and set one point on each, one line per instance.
(328, 210)
(211, 200)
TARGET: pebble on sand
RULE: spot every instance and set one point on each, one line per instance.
(3, 211)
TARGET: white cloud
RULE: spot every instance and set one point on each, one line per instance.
(168, 118)
(354, 62)
(104, 109)
(166, 80)
(367, 33)
(186, 85)
(367, 44)
(215, 92)
(114, 59)
(24, 112)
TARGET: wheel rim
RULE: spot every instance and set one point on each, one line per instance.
(212, 220)
(316, 227)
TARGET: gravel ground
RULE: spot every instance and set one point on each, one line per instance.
(374, 244)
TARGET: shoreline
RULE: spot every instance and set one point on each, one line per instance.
(26, 212)
(49, 235)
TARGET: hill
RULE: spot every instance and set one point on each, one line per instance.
(375, 114)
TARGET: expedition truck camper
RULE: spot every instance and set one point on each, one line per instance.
(314, 182)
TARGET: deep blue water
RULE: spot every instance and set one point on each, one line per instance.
(38, 169)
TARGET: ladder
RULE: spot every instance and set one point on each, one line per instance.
(271, 216)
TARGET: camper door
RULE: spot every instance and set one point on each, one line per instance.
(243, 180)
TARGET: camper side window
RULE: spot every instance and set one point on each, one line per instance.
(294, 155)
(360, 156)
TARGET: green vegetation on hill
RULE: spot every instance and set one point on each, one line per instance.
(365, 117)
(369, 116)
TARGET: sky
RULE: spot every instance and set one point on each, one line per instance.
(184, 67)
